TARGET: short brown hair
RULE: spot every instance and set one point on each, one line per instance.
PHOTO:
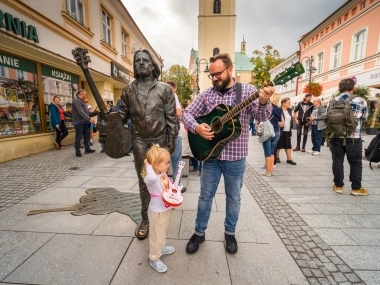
(225, 57)
(347, 84)
(171, 83)
(285, 99)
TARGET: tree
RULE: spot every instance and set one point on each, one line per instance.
(182, 78)
(263, 62)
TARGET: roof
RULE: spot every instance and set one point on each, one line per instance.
(242, 62)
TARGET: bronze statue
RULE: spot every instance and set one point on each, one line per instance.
(151, 107)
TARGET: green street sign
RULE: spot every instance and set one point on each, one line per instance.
(15, 62)
(59, 74)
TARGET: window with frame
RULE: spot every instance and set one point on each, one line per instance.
(217, 7)
(332, 26)
(124, 44)
(362, 5)
(346, 16)
(320, 63)
(2, 71)
(307, 64)
(322, 33)
(359, 45)
(106, 28)
(353, 12)
(76, 9)
(337, 49)
(339, 21)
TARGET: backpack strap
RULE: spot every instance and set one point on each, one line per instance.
(238, 92)
(349, 98)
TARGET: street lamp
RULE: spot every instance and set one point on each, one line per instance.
(198, 62)
(311, 69)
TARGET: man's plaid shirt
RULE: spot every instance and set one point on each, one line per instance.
(210, 98)
(359, 106)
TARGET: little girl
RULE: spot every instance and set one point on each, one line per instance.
(157, 163)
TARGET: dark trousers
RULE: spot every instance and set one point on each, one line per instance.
(140, 148)
(82, 130)
(299, 133)
(61, 133)
(316, 138)
(353, 150)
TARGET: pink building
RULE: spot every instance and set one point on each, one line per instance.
(345, 44)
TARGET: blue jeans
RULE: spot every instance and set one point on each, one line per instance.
(270, 145)
(233, 173)
(316, 138)
(176, 157)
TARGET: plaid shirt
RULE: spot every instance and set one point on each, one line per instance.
(359, 105)
(210, 98)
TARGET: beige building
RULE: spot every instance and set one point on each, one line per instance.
(216, 34)
(36, 63)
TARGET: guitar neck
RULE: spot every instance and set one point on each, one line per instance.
(241, 106)
(95, 92)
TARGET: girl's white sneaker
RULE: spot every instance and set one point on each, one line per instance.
(158, 265)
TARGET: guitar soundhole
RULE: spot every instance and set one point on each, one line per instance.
(217, 126)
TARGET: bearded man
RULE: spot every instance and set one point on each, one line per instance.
(231, 162)
(151, 107)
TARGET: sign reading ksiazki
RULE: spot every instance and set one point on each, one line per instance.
(59, 74)
(119, 72)
(12, 24)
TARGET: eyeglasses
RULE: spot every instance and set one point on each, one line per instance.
(217, 74)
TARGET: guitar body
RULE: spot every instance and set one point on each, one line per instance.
(224, 133)
(119, 139)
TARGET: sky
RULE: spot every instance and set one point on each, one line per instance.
(171, 26)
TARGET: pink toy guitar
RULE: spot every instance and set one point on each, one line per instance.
(172, 197)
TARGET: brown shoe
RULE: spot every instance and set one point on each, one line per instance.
(303, 150)
(56, 145)
(360, 192)
(338, 189)
(297, 148)
(142, 230)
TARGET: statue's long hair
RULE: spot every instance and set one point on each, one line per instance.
(156, 70)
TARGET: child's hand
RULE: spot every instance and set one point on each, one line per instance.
(146, 162)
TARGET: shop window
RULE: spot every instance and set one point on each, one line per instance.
(215, 51)
(217, 6)
(76, 9)
(320, 63)
(336, 53)
(106, 28)
(125, 44)
(359, 45)
(19, 105)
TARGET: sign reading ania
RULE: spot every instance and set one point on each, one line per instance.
(18, 27)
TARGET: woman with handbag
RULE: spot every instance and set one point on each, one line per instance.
(285, 132)
(270, 144)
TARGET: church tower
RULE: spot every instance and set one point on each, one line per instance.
(216, 33)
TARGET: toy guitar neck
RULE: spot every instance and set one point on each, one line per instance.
(181, 164)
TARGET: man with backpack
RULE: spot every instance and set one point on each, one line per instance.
(345, 115)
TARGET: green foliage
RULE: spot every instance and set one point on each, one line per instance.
(263, 62)
(182, 78)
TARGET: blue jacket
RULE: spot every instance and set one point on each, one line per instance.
(54, 115)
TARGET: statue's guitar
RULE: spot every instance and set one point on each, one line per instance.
(224, 123)
(118, 141)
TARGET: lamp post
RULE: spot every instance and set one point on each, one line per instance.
(198, 62)
(311, 69)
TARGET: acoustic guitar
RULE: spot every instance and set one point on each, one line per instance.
(224, 122)
(118, 141)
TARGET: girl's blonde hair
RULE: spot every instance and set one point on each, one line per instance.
(275, 98)
(154, 155)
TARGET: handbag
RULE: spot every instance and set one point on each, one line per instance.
(265, 131)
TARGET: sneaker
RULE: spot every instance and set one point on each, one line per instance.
(89, 151)
(303, 150)
(194, 242)
(310, 151)
(266, 174)
(167, 250)
(315, 153)
(264, 167)
(278, 160)
(274, 167)
(360, 192)
(297, 148)
(338, 189)
(91, 143)
(231, 244)
(158, 265)
(291, 162)
(78, 154)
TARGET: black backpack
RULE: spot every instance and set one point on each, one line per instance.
(372, 152)
(340, 120)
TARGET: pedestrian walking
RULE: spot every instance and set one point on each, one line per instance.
(100, 119)
(252, 127)
(57, 121)
(156, 164)
(302, 114)
(231, 162)
(317, 118)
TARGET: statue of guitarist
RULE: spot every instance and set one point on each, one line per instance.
(150, 105)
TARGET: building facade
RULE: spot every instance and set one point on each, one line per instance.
(36, 63)
(345, 44)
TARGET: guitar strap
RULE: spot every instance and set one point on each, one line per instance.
(238, 92)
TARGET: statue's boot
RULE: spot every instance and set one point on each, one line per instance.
(142, 230)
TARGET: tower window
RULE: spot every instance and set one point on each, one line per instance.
(217, 6)
(215, 51)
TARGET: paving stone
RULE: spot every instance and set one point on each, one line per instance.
(360, 257)
(330, 221)
(339, 277)
(364, 236)
(335, 236)
(369, 277)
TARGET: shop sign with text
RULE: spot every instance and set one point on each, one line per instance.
(120, 73)
(14, 25)
(15, 62)
(59, 74)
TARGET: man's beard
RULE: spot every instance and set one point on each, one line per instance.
(224, 84)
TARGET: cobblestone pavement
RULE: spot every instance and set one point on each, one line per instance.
(317, 260)
(22, 178)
